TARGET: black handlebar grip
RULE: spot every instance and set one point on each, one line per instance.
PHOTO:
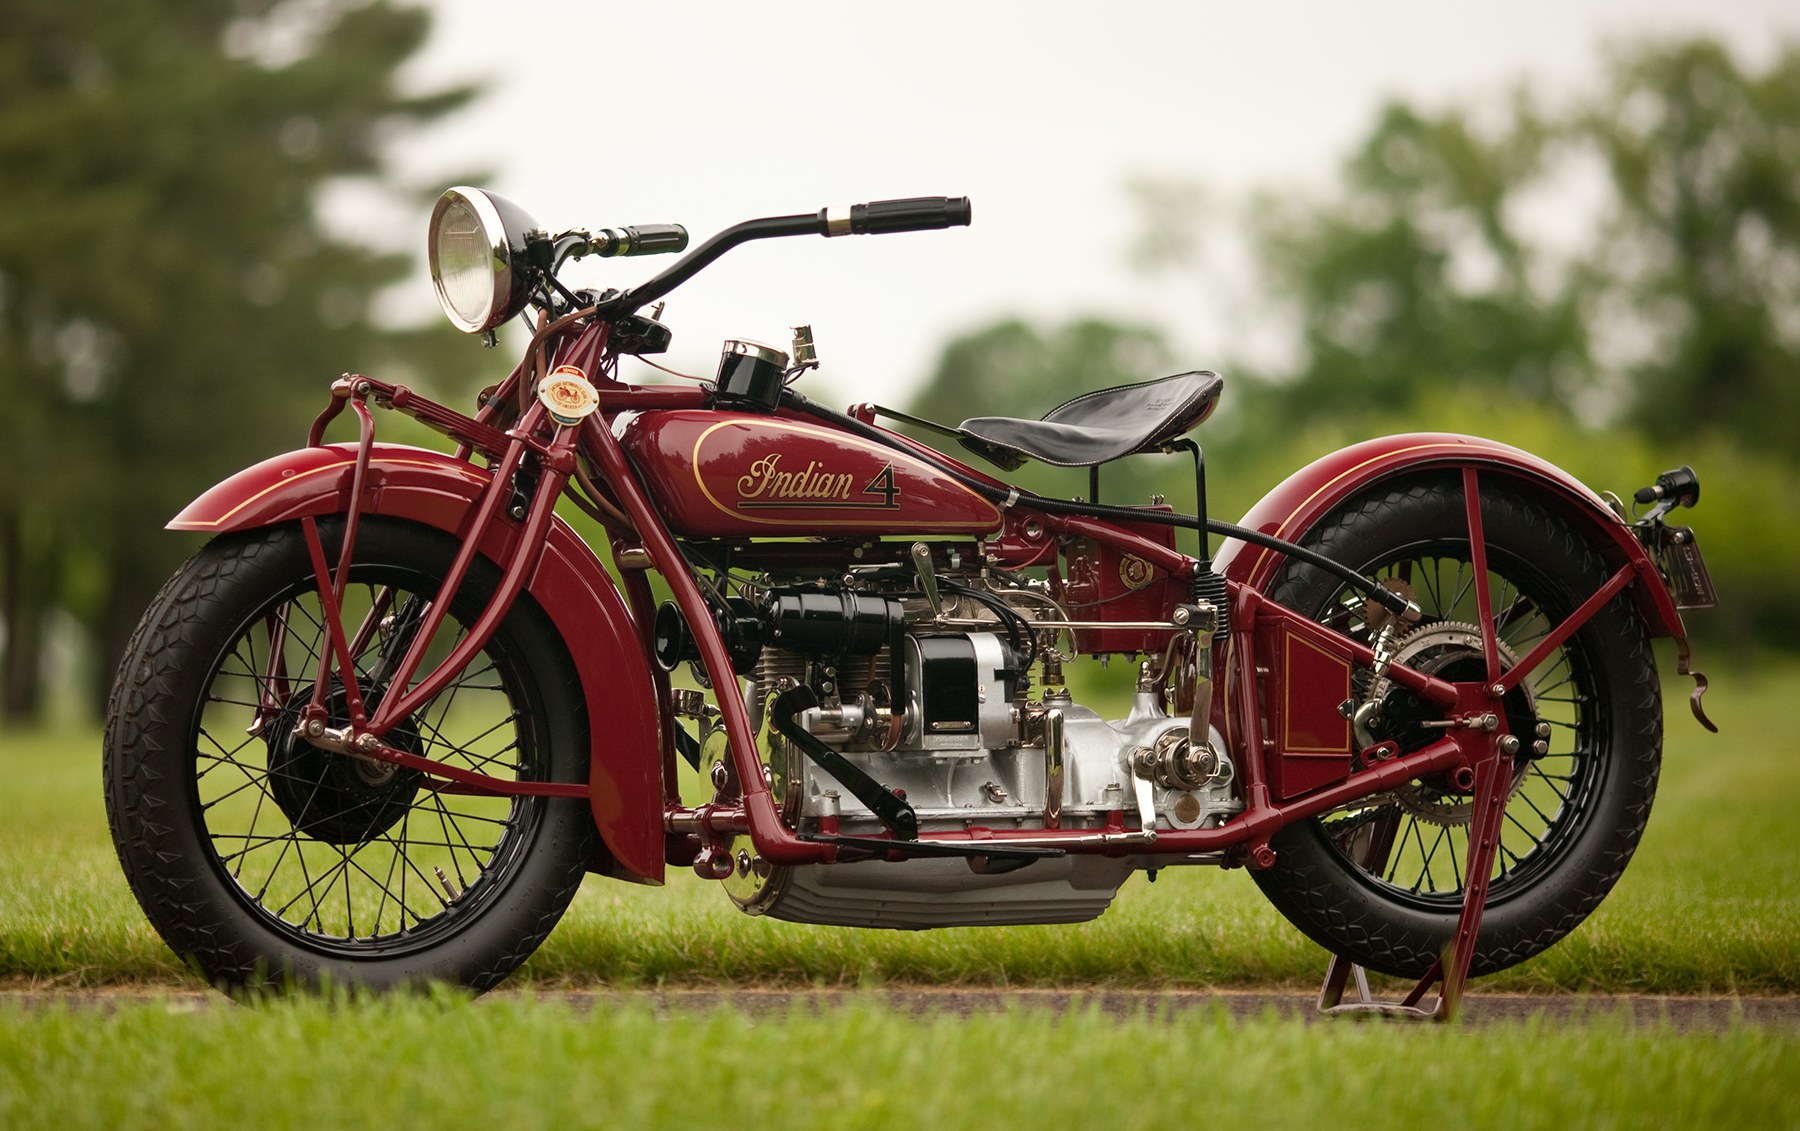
(915, 214)
(655, 239)
(640, 239)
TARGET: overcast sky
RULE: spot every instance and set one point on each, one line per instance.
(705, 112)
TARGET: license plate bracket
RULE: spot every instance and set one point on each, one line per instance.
(1678, 553)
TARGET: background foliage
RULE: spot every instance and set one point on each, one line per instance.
(1443, 286)
(162, 258)
(170, 304)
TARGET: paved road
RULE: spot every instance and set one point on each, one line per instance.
(1682, 1013)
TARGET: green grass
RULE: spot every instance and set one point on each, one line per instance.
(520, 1062)
(1711, 904)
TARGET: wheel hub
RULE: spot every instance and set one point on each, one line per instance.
(338, 798)
(1450, 651)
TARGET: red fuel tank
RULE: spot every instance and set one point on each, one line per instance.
(733, 474)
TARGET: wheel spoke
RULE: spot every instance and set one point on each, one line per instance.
(344, 861)
(1563, 791)
(1427, 863)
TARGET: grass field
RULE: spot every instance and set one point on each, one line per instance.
(1712, 904)
(521, 1063)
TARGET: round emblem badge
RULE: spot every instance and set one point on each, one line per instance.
(568, 395)
(1135, 573)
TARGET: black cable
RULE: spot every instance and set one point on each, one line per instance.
(1016, 624)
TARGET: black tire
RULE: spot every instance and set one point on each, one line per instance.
(265, 862)
(1575, 815)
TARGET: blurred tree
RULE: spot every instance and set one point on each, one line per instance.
(1630, 257)
(1419, 274)
(170, 305)
(1698, 260)
(1626, 261)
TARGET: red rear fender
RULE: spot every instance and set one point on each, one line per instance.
(1308, 495)
(570, 585)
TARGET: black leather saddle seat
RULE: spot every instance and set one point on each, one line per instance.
(1097, 427)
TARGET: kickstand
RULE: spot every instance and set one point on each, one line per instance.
(1450, 973)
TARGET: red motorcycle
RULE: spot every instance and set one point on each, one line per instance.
(382, 726)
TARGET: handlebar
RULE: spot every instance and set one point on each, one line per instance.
(912, 214)
(638, 239)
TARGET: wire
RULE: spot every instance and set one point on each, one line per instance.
(1009, 496)
(1017, 626)
(670, 372)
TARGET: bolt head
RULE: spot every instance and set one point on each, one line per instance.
(367, 742)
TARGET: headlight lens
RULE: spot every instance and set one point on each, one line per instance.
(475, 246)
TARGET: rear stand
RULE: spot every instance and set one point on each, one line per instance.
(1450, 973)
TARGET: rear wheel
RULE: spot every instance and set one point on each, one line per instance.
(1381, 881)
(263, 859)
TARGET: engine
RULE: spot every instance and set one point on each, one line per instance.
(933, 696)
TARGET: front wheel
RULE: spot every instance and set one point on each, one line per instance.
(1381, 881)
(264, 860)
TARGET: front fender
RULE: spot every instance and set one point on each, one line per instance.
(572, 587)
(1308, 495)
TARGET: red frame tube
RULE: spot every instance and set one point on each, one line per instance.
(1484, 601)
(772, 839)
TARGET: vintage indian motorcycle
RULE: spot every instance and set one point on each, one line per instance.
(379, 729)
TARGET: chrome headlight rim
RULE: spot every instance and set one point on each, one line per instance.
(505, 245)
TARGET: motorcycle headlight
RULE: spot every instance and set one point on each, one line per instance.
(476, 246)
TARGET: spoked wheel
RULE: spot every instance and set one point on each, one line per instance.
(265, 859)
(1382, 881)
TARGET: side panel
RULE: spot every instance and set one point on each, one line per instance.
(1309, 494)
(724, 474)
(1311, 740)
(570, 584)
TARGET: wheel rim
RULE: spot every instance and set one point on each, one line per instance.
(1425, 824)
(343, 855)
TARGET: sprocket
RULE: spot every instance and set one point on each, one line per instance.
(1449, 650)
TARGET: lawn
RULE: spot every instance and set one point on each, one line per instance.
(517, 1062)
(1711, 903)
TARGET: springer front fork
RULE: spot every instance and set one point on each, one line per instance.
(528, 474)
